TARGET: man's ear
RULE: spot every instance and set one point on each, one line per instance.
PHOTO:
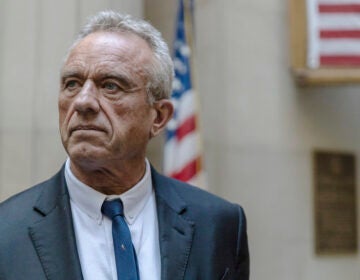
(164, 110)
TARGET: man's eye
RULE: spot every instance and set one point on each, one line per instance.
(110, 86)
(72, 84)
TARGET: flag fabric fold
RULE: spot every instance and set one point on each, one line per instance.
(183, 149)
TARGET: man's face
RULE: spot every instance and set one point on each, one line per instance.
(104, 115)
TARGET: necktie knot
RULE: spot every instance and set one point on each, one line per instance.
(112, 208)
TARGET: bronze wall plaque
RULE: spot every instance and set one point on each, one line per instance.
(335, 202)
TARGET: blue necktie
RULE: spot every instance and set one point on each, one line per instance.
(125, 256)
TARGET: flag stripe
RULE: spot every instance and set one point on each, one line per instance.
(340, 60)
(338, 21)
(331, 34)
(337, 2)
(339, 8)
(188, 172)
(184, 109)
(186, 127)
(339, 46)
(177, 154)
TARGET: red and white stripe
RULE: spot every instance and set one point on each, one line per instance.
(333, 33)
(182, 153)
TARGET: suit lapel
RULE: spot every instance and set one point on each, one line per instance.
(175, 232)
(54, 239)
(53, 236)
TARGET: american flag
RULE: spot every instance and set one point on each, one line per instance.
(333, 33)
(183, 149)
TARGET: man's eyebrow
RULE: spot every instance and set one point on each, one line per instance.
(70, 73)
(125, 80)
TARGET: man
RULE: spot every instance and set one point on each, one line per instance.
(115, 85)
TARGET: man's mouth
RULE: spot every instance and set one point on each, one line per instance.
(86, 128)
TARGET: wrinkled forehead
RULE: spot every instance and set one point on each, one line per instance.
(111, 49)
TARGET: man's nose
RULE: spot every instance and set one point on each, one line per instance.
(86, 101)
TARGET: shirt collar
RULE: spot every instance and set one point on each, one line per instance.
(90, 201)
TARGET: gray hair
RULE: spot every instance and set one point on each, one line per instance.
(161, 71)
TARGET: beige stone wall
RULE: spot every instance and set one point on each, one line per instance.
(259, 128)
(34, 36)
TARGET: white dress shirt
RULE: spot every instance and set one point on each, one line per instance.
(93, 230)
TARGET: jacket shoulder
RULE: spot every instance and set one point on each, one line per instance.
(21, 203)
(19, 208)
(220, 226)
(195, 198)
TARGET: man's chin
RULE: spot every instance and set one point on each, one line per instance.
(85, 153)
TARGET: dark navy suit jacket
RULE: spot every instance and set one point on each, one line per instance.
(201, 236)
